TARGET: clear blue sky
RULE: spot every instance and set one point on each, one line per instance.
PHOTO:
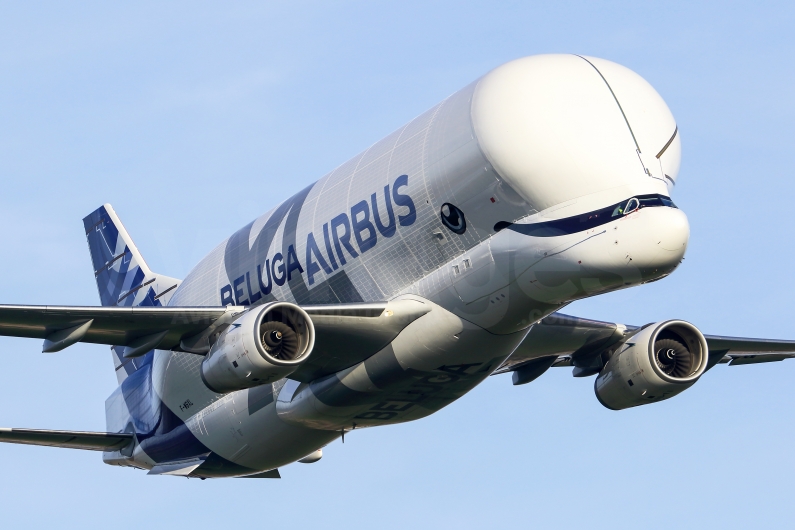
(192, 118)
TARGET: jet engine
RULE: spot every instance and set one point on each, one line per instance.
(265, 344)
(656, 363)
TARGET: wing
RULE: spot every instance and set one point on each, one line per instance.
(63, 326)
(345, 334)
(96, 441)
(560, 335)
(736, 350)
(563, 340)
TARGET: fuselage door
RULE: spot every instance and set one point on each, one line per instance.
(474, 274)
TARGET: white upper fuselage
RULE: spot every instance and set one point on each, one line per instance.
(536, 139)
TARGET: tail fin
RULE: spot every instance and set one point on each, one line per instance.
(123, 277)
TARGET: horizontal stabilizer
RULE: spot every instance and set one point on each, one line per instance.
(93, 441)
(180, 468)
(273, 473)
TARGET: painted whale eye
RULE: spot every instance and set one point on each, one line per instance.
(453, 218)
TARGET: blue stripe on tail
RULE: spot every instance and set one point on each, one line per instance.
(117, 267)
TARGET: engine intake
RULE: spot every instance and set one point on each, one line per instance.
(656, 363)
(265, 344)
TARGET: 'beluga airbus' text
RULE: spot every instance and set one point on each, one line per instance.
(399, 281)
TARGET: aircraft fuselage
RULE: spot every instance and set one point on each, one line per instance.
(505, 202)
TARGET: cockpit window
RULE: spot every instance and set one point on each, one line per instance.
(643, 201)
(656, 200)
(586, 221)
(632, 205)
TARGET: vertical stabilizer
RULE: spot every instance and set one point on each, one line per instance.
(123, 277)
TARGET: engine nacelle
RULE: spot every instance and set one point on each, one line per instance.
(654, 364)
(265, 344)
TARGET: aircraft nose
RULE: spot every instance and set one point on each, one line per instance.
(651, 241)
(674, 233)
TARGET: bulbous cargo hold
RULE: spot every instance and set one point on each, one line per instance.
(267, 343)
(657, 363)
(560, 127)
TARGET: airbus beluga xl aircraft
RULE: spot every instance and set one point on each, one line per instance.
(395, 284)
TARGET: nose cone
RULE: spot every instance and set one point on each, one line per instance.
(651, 241)
(673, 231)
